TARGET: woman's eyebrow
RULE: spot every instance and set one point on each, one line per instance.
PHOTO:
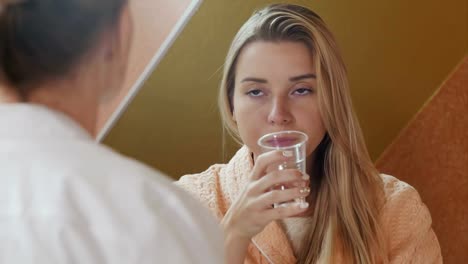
(292, 79)
(301, 77)
(253, 79)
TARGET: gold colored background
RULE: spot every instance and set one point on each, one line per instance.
(397, 52)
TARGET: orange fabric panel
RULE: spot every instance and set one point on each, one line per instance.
(431, 154)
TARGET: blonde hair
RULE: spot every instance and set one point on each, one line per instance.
(350, 190)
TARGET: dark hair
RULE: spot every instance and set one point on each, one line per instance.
(42, 39)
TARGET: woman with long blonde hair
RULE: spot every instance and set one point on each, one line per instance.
(283, 71)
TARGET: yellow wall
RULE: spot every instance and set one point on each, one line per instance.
(398, 52)
(152, 24)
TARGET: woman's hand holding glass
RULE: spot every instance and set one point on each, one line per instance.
(253, 210)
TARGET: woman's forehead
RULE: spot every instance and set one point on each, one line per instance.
(266, 59)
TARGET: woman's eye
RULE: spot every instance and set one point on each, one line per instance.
(255, 93)
(303, 91)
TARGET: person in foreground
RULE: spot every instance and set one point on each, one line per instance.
(63, 197)
(283, 71)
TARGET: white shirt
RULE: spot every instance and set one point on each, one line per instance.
(66, 199)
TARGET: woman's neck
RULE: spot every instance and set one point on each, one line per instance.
(8, 94)
(75, 97)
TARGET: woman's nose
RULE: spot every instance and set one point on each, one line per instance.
(280, 114)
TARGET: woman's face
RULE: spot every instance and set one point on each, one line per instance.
(275, 89)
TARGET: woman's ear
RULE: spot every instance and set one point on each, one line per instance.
(125, 28)
(118, 41)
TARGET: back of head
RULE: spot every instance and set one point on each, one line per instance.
(45, 39)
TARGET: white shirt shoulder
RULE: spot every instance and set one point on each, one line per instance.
(68, 200)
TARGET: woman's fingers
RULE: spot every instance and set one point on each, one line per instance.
(288, 178)
(290, 210)
(252, 210)
(266, 200)
(271, 159)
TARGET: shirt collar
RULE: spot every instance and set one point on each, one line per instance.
(24, 120)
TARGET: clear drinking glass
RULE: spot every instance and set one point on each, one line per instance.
(292, 144)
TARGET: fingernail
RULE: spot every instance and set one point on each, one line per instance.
(288, 153)
(305, 176)
(304, 190)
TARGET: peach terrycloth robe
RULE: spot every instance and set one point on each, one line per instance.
(405, 219)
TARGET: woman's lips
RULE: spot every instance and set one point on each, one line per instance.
(282, 141)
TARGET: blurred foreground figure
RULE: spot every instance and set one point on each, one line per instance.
(63, 197)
